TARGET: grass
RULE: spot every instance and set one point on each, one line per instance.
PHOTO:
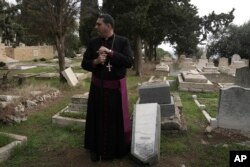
(4, 140)
(49, 145)
(210, 100)
(43, 135)
(73, 115)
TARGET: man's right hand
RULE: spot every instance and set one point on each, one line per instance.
(101, 58)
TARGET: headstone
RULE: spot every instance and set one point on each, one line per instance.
(167, 60)
(243, 77)
(155, 92)
(162, 88)
(235, 57)
(70, 76)
(162, 67)
(210, 68)
(223, 62)
(146, 133)
(202, 62)
(234, 108)
(236, 63)
(78, 103)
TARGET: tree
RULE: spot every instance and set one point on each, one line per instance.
(59, 16)
(183, 26)
(130, 19)
(88, 15)
(10, 30)
(231, 40)
(174, 21)
(72, 45)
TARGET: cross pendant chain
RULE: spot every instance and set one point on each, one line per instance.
(109, 66)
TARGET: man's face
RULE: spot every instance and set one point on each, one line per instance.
(101, 27)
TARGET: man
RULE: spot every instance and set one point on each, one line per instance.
(108, 131)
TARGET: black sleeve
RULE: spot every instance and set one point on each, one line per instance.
(88, 58)
(123, 58)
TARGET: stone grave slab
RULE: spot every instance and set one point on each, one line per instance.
(168, 110)
(146, 133)
(70, 76)
(65, 121)
(24, 67)
(234, 108)
(5, 151)
(195, 86)
(47, 75)
(149, 92)
(193, 77)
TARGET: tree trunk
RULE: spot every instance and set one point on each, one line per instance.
(138, 56)
(61, 55)
(150, 56)
(155, 52)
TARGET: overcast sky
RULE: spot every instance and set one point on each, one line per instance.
(241, 12)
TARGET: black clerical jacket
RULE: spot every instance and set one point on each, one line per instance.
(120, 59)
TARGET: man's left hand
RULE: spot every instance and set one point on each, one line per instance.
(103, 49)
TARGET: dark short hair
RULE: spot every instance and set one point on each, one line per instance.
(107, 19)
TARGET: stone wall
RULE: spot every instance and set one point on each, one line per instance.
(30, 52)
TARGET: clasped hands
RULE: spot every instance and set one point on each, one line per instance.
(103, 53)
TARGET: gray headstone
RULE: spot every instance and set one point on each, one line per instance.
(155, 92)
(79, 99)
(77, 107)
(243, 77)
(234, 108)
(146, 133)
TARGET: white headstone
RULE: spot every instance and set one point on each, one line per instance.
(235, 57)
(146, 133)
(70, 76)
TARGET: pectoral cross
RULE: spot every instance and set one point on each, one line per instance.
(109, 67)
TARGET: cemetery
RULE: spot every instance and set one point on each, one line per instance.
(178, 114)
(188, 108)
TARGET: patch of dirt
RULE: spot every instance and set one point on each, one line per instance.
(219, 135)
